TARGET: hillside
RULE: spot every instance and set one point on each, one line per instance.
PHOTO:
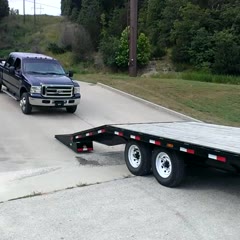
(15, 35)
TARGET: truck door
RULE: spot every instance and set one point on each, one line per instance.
(13, 79)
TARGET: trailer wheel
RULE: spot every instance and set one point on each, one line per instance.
(167, 167)
(24, 103)
(138, 158)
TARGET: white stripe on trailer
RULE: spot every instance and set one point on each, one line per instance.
(186, 150)
(217, 158)
(135, 137)
(118, 133)
(155, 142)
(101, 131)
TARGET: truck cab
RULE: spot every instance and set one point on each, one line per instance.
(38, 80)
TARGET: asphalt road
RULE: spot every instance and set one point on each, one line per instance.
(107, 202)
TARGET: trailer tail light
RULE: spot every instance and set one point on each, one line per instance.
(217, 158)
(186, 150)
(79, 136)
(138, 138)
(118, 133)
(170, 145)
(155, 142)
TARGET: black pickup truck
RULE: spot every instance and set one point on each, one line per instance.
(38, 80)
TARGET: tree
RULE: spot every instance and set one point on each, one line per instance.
(4, 8)
(143, 50)
(89, 17)
(227, 53)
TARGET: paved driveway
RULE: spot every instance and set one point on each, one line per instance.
(115, 205)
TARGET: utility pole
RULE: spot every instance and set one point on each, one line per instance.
(34, 11)
(133, 38)
(40, 9)
(24, 11)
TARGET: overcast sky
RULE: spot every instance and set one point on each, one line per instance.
(42, 6)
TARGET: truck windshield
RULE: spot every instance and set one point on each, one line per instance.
(42, 66)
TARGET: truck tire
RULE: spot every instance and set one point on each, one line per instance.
(71, 109)
(138, 158)
(167, 167)
(25, 106)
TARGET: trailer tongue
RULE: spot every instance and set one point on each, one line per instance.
(165, 148)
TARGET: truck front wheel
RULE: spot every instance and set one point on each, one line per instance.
(138, 158)
(71, 109)
(26, 107)
(167, 167)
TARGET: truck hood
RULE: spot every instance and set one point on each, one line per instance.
(37, 79)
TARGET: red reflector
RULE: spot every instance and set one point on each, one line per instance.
(102, 131)
(118, 133)
(138, 138)
(221, 159)
(155, 142)
(191, 151)
(84, 149)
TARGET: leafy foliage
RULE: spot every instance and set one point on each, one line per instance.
(4, 8)
(143, 50)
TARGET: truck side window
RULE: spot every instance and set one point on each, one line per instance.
(17, 64)
(9, 62)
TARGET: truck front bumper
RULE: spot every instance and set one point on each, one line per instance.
(49, 102)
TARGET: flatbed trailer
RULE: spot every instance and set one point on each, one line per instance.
(165, 148)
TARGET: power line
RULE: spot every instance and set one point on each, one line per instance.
(43, 4)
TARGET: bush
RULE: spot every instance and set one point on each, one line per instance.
(76, 39)
(54, 48)
(227, 53)
(108, 48)
(122, 55)
(143, 50)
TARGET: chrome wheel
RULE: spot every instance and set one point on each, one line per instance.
(163, 165)
(23, 103)
(134, 156)
(25, 106)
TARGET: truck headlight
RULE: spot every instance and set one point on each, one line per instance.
(35, 89)
(76, 90)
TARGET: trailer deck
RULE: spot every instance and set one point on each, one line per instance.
(207, 135)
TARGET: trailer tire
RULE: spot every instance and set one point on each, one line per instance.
(138, 158)
(167, 167)
(26, 107)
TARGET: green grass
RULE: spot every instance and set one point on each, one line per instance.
(210, 102)
(201, 77)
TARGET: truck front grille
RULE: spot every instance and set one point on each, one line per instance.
(57, 91)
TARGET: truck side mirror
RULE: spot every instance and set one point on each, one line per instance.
(70, 73)
(12, 70)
